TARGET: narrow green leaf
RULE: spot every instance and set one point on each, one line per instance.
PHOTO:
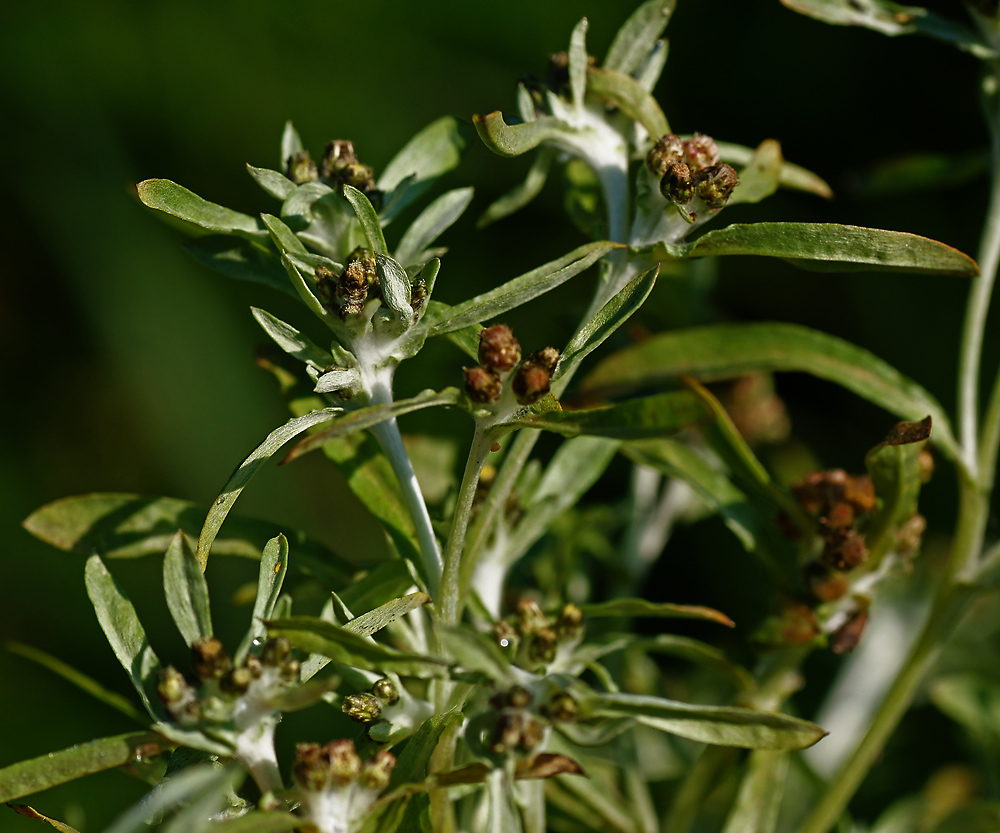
(430, 223)
(170, 198)
(651, 416)
(413, 762)
(336, 379)
(520, 195)
(306, 293)
(212, 799)
(719, 725)
(628, 95)
(79, 679)
(256, 821)
(503, 816)
(32, 813)
(577, 61)
(290, 144)
(828, 247)
(611, 316)
(792, 176)
(518, 290)
(513, 140)
(46, 771)
(348, 648)
(914, 173)
(121, 626)
(660, 610)
(430, 154)
(396, 290)
(373, 415)
(759, 799)
(292, 341)
(132, 526)
(638, 36)
(273, 568)
(241, 259)
(297, 209)
(651, 69)
(186, 591)
(249, 467)
(724, 351)
(276, 184)
(284, 238)
(762, 175)
(368, 218)
(374, 620)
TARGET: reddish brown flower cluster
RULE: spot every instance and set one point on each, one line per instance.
(339, 166)
(838, 500)
(690, 167)
(499, 353)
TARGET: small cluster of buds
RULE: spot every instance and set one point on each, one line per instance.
(690, 169)
(337, 787)
(367, 706)
(499, 354)
(534, 638)
(348, 293)
(518, 728)
(838, 501)
(339, 166)
(222, 683)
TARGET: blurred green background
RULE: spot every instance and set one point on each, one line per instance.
(128, 367)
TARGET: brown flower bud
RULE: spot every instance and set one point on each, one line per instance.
(326, 284)
(518, 697)
(179, 696)
(665, 152)
(276, 651)
(339, 154)
(291, 671)
(498, 349)
(547, 357)
(700, 152)
(210, 659)
(676, 184)
(353, 285)
(532, 734)
(377, 770)
(506, 734)
(300, 168)
(311, 770)
(844, 549)
(505, 635)
(237, 681)
(827, 585)
(848, 635)
(715, 184)
(911, 535)
(530, 617)
(482, 385)
(530, 383)
(345, 765)
(569, 624)
(561, 708)
(543, 646)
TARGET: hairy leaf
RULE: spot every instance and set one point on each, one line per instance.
(197, 214)
(186, 591)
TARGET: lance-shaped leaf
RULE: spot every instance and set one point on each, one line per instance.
(337, 379)
(297, 210)
(273, 568)
(520, 195)
(608, 319)
(396, 290)
(374, 620)
(132, 526)
(275, 440)
(895, 470)
(651, 416)
(197, 215)
(628, 95)
(577, 63)
(412, 765)
(32, 813)
(47, 771)
(291, 340)
(893, 19)
(348, 648)
(518, 290)
(761, 176)
(242, 259)
(368, 218)
(513, 140)
(759, 799)
(719, 725)
(433, 152)
(121, 626)
(375, 414)
(431, 222)
(638, 35)
(276, 184)
(659, 610)
(186, 591)
(725, 351)
(792, 176)
(829, 247)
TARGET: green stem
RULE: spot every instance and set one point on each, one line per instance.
(989, 441)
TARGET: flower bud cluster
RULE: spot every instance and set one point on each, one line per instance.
(839, 502)
(534, 638)
(499, 357)
(337, 787)
(690, 173)
(367, 706)
(522, 720)
(338, 167)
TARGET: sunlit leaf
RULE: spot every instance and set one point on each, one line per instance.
(121, 626)
(46, 771)
(198, 215)
(792, 176)
(276, 184)
(660, 610)
(395, 287)
(291, 340)
(577, 63)
(368, 218)
(513, 140)
(431, 222)
(622, 91)
(759, 799)
(186, 591)
(761, 176)
(273, 568)
(638, 36)
(374, 620)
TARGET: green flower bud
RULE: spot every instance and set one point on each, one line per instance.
(482, 385)
(569, 624)
(518, 697)
(311, 770)
(254, 666)
(376, 771)
(676, 184)
(237, 681)
(668, 150)
(530, 617)
(506, 636)
(276, 651)
(543, 646)
(326, 285)
(210, 659)
(498, 349)
(561, 708)
(364, 707)
(386, 691)
(179, 696)
(700, 151)
(291, 671)
(301, 169)
(418, 295)
(715, 185)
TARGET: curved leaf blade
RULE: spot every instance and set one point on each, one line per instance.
(291, 340)
(639, 608)
(197, 213)
(273, 568)
(186, 591)
(374, 620)
(577, 60)
(276, 184)
(513, 140)
(761, 176)
(792, 176)
(638, 35)
(368, 218)
(629, 96)
(724, 351)
(32, 813)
